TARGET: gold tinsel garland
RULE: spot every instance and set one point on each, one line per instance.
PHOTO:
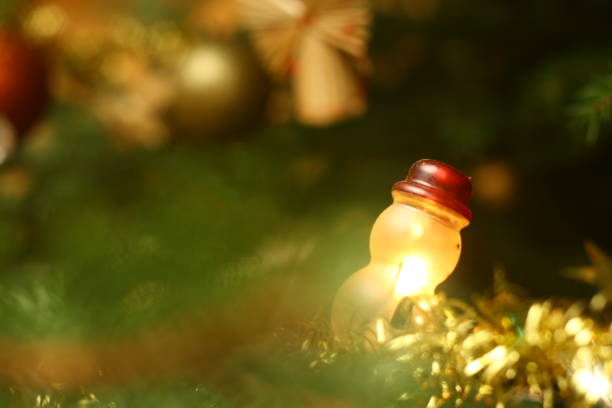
(503, 351)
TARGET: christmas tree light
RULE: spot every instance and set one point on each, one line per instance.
(415, 245)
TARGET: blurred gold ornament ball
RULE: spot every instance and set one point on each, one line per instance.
(494, 183)
(220, 90)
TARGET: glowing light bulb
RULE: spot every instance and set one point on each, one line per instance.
(413, 276)
(415, 245)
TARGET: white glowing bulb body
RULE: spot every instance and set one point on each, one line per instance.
(415, 245)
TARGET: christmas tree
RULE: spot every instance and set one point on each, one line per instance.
(185, 185)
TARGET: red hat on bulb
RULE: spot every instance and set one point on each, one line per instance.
(441, 183)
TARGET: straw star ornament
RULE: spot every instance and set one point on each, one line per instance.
(318, 44)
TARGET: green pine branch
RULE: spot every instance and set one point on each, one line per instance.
(594, 106)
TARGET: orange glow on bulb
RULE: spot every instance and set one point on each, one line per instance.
(413, 276)
(415, 245)
(381, 336)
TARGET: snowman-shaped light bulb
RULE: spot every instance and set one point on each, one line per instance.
(414, 245)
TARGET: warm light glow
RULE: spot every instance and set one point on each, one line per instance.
(380, 331)
(574, 326)
(417, 230)
(415, 245)
(205, 67)
(413, 276)
(595, 385)
(498, 354)
(424, 305)
(474, 367)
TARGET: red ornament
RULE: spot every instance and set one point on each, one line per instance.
(441, 183)
(23, 81)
